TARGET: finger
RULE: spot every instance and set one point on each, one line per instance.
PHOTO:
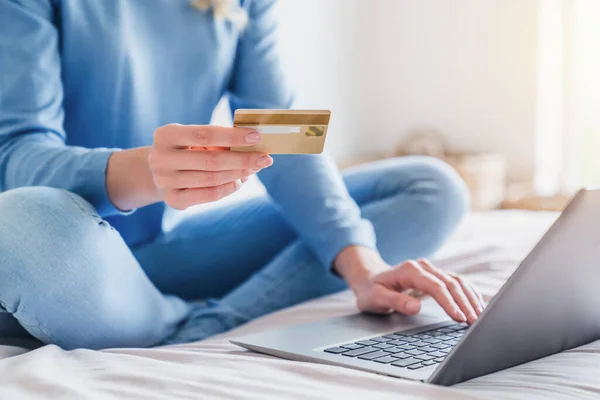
(198, 179)
(209, 160)
(455, 288)
(183, 198)
(412, 275)
(401, 302)
(475, 298)
(384, 300)
(177, 136)
(467, 283)
(477, 291)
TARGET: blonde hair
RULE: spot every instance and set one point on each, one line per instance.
(229, 10)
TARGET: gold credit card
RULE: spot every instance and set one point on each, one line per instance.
(285, 131)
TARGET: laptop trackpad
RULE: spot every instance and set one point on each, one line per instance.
(366, 324)
(351, 327)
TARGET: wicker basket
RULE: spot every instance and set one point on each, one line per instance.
(484, 173)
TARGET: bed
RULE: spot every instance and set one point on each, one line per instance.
(487, 248)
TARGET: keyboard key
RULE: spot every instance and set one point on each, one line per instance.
(428, 349)
(416, 366)
(352, 346)
(401, 333)
(438, 354)
(425, 357)
(380, 339)
(359, 352)
(409, 339)
(366, 342)
(446, 330)
(393, 350)
(440, 346)
(371, 356)
(402, 356)
(394, 336)
(432, 341)
(383, 346)
(460, 327)
(406, 362)
(415, 352)
(420, 344)
(452, 342)
(397, 342)
(406, 347)
(444, 338)
(386, 359)
(445, 351)
(335, 350)
(439, 359)
(430, 362)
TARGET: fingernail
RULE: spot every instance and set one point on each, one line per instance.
(264, 161)
(245, 179)
(253, 137)
(460, 316)
(412, 306)
(478, 310)
(238, 184)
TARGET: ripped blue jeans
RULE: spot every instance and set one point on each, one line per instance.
(68, 278)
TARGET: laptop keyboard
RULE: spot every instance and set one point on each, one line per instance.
(412, 351)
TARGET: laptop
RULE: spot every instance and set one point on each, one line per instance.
(549, 304)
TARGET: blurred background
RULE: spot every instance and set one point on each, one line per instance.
(507, 91)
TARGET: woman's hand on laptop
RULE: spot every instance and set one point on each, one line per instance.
(381, 288)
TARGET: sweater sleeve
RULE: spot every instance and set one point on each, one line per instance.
(308, 189)
(32, 137)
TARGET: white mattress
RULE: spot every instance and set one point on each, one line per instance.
(487, 248)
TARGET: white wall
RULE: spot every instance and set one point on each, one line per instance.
(385, 68)
(582, 94)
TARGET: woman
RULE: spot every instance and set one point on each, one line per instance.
(90, 94)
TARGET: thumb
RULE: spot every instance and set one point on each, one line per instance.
(400, 302)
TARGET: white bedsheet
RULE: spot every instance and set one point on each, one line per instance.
(487, 248)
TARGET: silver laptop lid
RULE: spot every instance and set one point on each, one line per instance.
(550, 304)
